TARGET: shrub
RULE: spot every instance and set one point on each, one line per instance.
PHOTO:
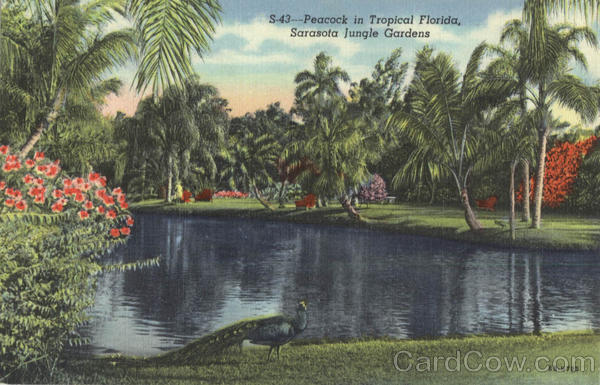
(562, 167)
(230, 194)
(374, 191)
(53, 232)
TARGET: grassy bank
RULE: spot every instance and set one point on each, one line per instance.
(371, 362)
(559, 232)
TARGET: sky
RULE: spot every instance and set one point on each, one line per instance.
(253, 62)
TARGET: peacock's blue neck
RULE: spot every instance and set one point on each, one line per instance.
(301, 320)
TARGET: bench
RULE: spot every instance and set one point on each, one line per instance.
(204, 196)
(487, 204)
(389, 199)
(308, 202)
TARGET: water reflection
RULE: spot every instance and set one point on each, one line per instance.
(357, 282)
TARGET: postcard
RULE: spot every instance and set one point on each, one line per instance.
(315, 192)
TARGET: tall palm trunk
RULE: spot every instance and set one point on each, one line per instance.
(281, 190)
(144, 165)
(526, 192)
(511, 198)
(538, 192)
(470, 217)
(170, 177)
(45, 123)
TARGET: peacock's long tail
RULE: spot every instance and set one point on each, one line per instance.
(212, 344)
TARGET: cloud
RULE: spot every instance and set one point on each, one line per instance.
(229, 56)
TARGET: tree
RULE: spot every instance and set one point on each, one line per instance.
(67, 50)
(554, 85)
(442, 113)
(339, 145)
(254, 150)
(322, 83)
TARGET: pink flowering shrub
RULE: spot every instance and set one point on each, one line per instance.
(375, 191)
(230, 194)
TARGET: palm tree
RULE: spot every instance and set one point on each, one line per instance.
(339, 145)
(171, 122)
(554, 85)
(253, 154)
(323, 82)
(512, 63)
(68, 51)
(442, 113)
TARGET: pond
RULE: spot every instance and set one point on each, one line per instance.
(357, 283)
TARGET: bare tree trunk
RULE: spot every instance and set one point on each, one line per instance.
(144, 177)
(347, 205)
(280, 198)
(470, 217)
(262, 201)
(170, 178)
(45, 123)
(432, 198)
(526, 192)
(538, 192)
(511, 197)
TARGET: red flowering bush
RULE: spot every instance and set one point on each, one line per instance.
(186, 196)
(230, 194)
(562, 166)
(38, 185)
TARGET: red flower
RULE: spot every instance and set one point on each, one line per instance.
(57, 207)
(117, 191)
(2, 185)
(9, 202)
(79, 197)
(42, 168)
(83, 214)
(124, 205)
(39, 181)
(111, 214)
(21, 205)
(101, 209)
(88, 205)
(27, 179)
(57, 193)
(29, 163)
(67, 182)
(52, 171)
(125, 230)
(108, 200)
(4, 149)
(93, 176)
(115, 233)
(129, 221)
(39, 155)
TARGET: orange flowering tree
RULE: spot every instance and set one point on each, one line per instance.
(38, 185)
(562, 166)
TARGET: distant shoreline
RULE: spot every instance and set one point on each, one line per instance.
(561, 232)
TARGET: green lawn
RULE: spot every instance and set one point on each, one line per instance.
(371, 362)
(560, 231)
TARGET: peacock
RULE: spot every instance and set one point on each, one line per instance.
(273, 331)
